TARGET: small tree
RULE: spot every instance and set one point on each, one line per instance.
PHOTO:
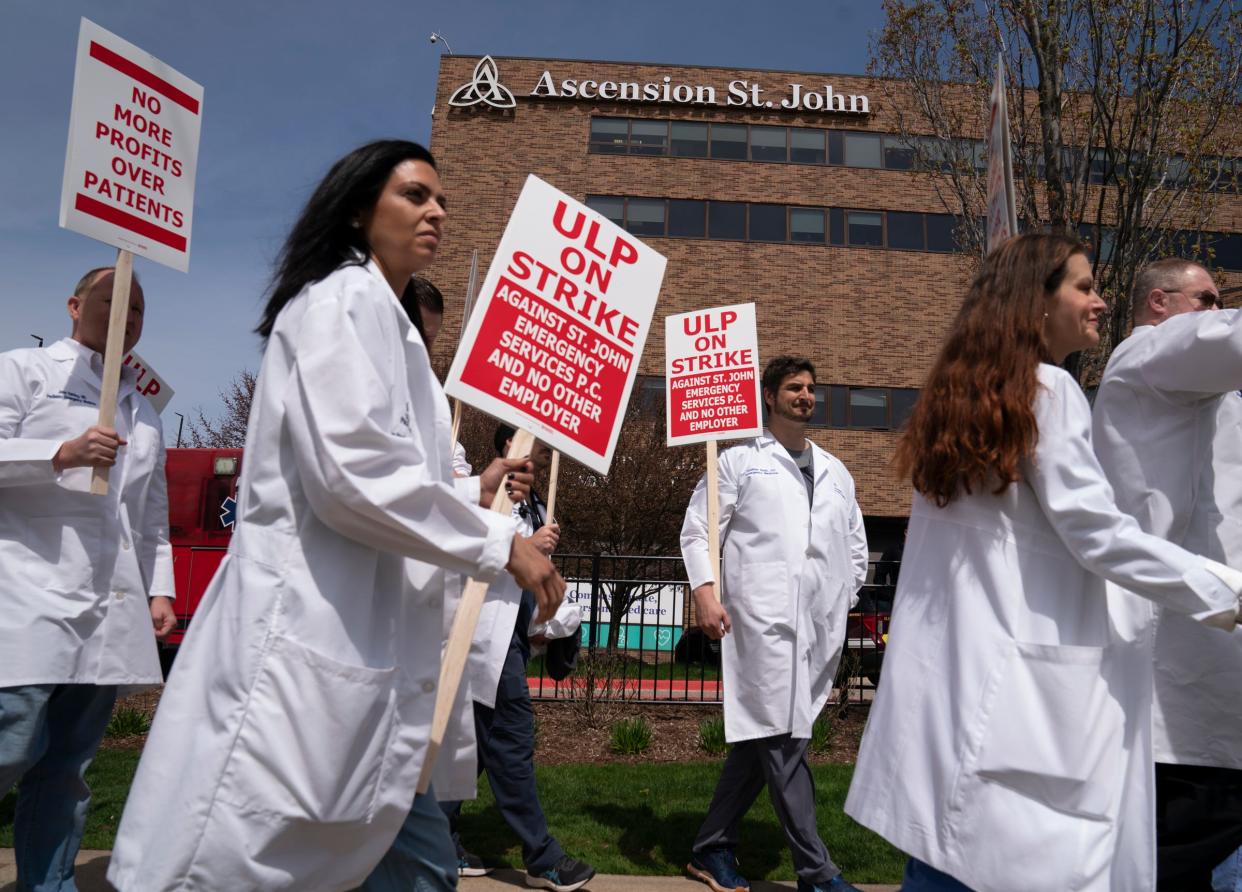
(1120, 114)
(635, 510)
(228, 430)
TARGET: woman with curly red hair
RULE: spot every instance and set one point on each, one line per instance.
(1009, 744)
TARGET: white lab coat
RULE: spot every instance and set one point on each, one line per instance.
(791, 575)
(1004, 746)
(494, 632)
(1168, 431)
(78, 568)
(291, 735)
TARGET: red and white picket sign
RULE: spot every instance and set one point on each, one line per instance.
(553, 343)
(133, 150)
(149, 384)
(552, 348)
(712, 375)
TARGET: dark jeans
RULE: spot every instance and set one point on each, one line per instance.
(1198, 824)
(48, 736)
(506, 747)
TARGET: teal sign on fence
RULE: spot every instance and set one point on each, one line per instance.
(636, 637)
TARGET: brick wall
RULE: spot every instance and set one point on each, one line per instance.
(864, 316)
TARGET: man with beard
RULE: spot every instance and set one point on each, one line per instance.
(795, 555)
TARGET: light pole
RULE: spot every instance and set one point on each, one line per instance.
(437, 37)
(180, 425)
(37, 338)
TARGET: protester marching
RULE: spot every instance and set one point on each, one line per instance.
(1056, 707)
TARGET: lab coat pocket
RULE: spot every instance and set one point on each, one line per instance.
(1054, 732)
(764, 596)
(314, 738)
(68, 551)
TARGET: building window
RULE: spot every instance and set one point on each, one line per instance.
(836, 147)
(645, 216)
(902, 400)
(865, 228)
(862, 408)
(726, 219)
(862, 150)
(686, 218)
(898, 153)
(806, 146)
(940, 232)
(836, 226)
(689, 140)
(608, 206)
(806, 225)
(729, 141)
(869, 407)
(610, 135)
(768, 144)
(905, 230)
(767, 223)
(648, 137)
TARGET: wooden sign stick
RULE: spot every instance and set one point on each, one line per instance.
(553, 473)
(713, 514)
(465, 317)
(453, 663)
(113, 355)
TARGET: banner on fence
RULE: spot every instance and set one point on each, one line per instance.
(654, 620)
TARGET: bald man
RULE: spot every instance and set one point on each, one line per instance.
(86, 581)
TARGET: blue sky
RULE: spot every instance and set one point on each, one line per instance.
(289, 87)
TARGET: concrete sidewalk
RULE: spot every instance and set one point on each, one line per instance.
(92, 866)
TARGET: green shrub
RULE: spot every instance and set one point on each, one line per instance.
(631, 737)
(712, 736)
(822, 732)
(126, 722)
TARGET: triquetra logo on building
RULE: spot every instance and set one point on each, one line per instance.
(484, 86)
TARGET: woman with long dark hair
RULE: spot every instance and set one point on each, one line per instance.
(291, 735)
(1008, 748)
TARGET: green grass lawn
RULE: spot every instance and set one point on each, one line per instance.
(626, 819)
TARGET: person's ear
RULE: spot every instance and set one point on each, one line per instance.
(74, 304)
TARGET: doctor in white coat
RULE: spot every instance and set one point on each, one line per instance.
(82, 578)
(794, 556)
(1168, 431)
(1006, 751)
(292, 732)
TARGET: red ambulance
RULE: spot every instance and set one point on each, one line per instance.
(202, 494)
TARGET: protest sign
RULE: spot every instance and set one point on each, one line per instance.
(129, 174)
(554, 341)
(133, 150)
(149, 384)
(712, 375)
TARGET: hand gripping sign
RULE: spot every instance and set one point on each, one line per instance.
(712, 374)
(552, 348)
(129, 173)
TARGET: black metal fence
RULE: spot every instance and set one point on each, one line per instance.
(639, 641)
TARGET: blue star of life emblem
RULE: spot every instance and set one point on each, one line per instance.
(228, 512)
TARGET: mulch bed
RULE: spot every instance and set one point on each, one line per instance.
(564, 736)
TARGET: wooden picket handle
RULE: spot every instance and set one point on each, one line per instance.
(114, 353)
(453, 663)
(713, 515)
(553, 473)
